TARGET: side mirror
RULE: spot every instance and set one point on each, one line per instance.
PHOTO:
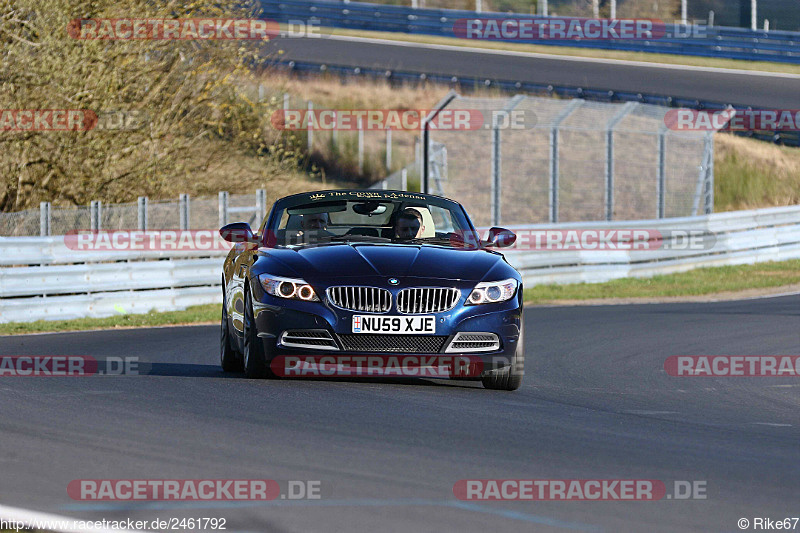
(237, 232)
(500, 238)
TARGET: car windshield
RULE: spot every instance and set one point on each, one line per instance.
(384, 217)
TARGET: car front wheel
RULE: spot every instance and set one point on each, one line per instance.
(256, 365)
(229, 358)
(510, 377)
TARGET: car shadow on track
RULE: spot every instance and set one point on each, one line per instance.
(191, 370)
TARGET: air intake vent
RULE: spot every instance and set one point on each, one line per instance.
(364, 299)
(468, 342)
(427, 300)
(428, 344)
(315, 339)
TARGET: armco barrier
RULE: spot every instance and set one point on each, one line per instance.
(722, 42)
(41, 278)
(467, 83)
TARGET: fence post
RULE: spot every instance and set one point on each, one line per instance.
(95, 208)
(613, 9)
(543, 8)
(496, 160)
(360, 146)
(285, 102)
(754, 15)
(183, 206)
(310, 128)
(44, 219)
(709, 197)
(661, 187)
(223, 208)
(388, 149)
(142, 211)
(609, 177)
(404, 180)
(260, 93)
(478, 6)
(683, 12)
(495, 166)
(553, 197)
(261, 205)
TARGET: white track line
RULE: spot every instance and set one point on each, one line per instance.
(37, 519)
(535, 55)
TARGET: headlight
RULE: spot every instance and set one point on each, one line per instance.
(296, 289)
(490, 292)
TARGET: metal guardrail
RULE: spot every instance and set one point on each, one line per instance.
(467, 83)
(722, 42)
(108, 283)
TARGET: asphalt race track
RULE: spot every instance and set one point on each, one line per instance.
(735, 87)
(596, 404)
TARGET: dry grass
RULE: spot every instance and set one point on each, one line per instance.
(750, 174)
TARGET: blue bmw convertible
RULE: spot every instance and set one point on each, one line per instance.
(371, 273)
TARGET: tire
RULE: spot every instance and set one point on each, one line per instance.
(256, 365)
(510, 378)
(229, 358)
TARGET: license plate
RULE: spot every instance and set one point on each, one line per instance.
(401, 325)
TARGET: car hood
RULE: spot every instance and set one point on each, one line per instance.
(367, 260)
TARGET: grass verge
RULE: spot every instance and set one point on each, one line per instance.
(197, 314)
(746, 280)
(730, 281)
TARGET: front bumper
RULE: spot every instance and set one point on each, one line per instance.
(274, 316)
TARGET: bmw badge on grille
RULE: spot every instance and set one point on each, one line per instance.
(393, 281)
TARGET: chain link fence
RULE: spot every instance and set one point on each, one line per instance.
(184, 213)
(539, 160)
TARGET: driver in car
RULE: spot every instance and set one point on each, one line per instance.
(408, 225)
(315, 222)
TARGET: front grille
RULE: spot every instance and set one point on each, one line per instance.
(365, 299)
(427, 300)
(393, 343)
(319, 339)
(466, 342)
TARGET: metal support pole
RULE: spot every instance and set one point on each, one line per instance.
(609, 177)
(754, 15)
(543, 8)
(183, 206)
(661, 186)
(709, 197)
(388, 149)
(596, 9)
(360, 146)
(310, 130)
(285, 102)
(261, 205)
(223, 208)
(613, 9)
(478, 6)
(554, 171)
(496, 158)
(142, 212)
(711, 19)
(261, 93)
(95, 214)
(684, 11)
(404, 180)
(423, 182)
(44, 219)
(495, 174)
